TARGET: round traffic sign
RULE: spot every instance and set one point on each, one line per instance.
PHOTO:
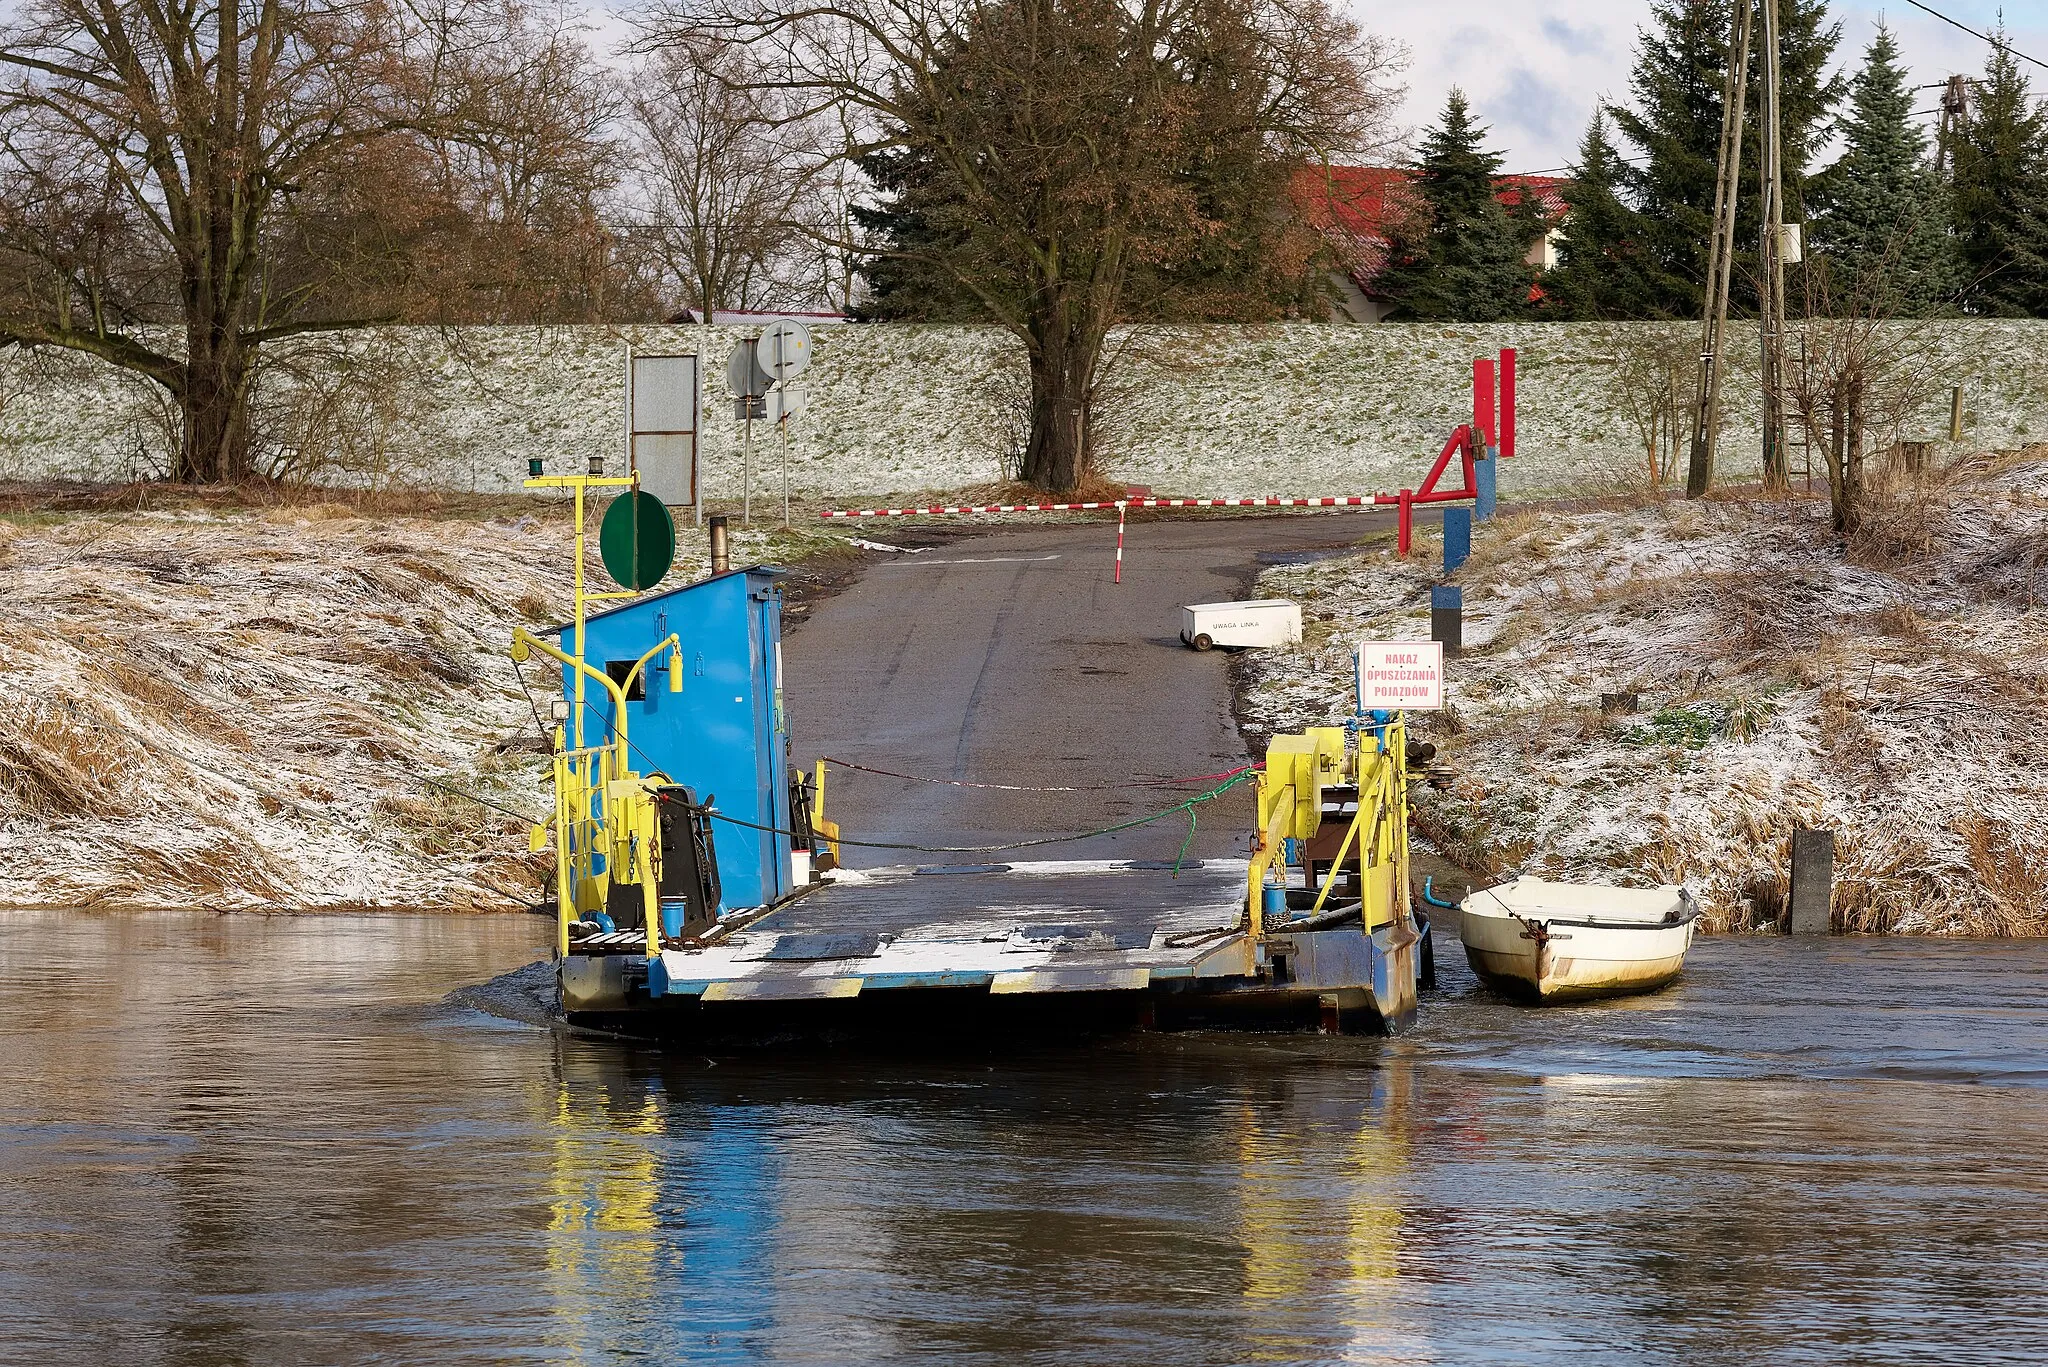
(743, 370)
(637, 540)
(785, 350)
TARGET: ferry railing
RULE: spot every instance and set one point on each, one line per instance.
(1290, 802)
(583, 774)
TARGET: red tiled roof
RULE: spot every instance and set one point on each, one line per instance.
(1355, 207)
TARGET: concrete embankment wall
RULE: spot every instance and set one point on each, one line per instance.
(1291, 408)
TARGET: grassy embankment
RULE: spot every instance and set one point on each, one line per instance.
(236, 700)
(1889, 687)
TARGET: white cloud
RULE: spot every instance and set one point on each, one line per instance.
(1534, 69)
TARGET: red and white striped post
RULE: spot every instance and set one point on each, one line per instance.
(1119, 542)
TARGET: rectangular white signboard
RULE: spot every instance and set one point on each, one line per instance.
(1401, 674)
(662, 409)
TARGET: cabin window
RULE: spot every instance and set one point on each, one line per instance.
(619, 669)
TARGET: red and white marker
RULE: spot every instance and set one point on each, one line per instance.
(1342, 501)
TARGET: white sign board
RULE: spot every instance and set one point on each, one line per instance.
(1400, 674)
(661, 416)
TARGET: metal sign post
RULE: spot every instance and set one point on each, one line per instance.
(749, 384)
(783, 353)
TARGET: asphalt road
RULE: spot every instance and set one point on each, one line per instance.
(1013, 658)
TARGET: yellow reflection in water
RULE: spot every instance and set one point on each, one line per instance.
(1320, 1220)
(603, 1231)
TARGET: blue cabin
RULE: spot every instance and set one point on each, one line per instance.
(724, 735)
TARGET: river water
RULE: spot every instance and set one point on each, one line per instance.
(239, 1140)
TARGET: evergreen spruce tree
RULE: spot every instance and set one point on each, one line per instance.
(2000, 196)
(911, 224)
(1880, 224)
(1462, 258)
(1676, 124)
(1602, 271)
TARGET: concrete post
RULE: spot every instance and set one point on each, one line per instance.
(1457, 537)
(1813, 882)
(1447, 618)
(1484, 484)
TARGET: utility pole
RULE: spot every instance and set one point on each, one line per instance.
(1771, 262)
(1699, 476)
(1955, 108)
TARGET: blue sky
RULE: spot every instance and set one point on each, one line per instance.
(1535, 68)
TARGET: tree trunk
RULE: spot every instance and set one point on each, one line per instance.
(1057, 453)
(1850, 515)
(214, 408)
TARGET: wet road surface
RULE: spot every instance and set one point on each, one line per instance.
(238, 1140)
(1015, 658)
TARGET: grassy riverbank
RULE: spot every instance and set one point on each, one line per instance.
(223, 703)
(1890, 687)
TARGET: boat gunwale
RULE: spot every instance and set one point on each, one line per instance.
(1549, 921)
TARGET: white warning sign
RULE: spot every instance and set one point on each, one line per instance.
(1400, 674)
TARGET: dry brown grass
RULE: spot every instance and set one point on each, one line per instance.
(2013, 870)
(283, 501)
(1876, 687)
(223, 872)
(63, 759)
(259, 690)
(440, 823)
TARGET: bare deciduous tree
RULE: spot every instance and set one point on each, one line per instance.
(523, 136)
(1655, 371)
(1069, 147)
(1857, 377)
(727, 168)
(184, 182)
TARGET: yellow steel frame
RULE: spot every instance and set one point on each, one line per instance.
(825, 833)
(600, 801)
(1290, 803)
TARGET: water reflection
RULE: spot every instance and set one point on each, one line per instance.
(274, 1142)
(1321, 1192)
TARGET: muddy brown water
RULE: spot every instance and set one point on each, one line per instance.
(232, 1140)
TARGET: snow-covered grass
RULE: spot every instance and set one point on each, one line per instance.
(1297, 408)
(1890, 689)
(242, 708)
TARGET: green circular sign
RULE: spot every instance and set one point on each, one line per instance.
(637, 540)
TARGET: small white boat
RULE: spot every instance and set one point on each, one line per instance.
(1560, 942)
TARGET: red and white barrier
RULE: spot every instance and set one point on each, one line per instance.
(1342, 501)
(1492, 429)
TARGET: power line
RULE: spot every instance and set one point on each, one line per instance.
(1553, 170)
(1995, 42)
